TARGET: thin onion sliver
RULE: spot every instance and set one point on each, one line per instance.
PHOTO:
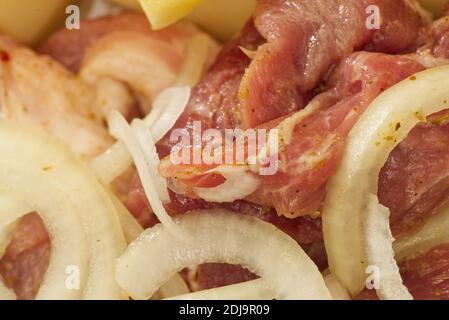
(250, 290)
(167, 108)
(379, 252)
(131, 228)
(121, 130)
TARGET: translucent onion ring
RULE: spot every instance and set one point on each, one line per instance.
(257, 290)
(76, 210)
(381, 128)
(250, 290)
(220, 236)
(167, 108)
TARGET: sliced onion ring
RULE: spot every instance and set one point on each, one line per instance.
(250, 290)
(76, 211)
(176, 286)
(167, 108)
(256, 290)
(387, 121)
(130, 226)
(220, 236)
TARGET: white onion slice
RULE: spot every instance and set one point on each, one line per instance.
(220, 236)
(148, 147)
(250, 290)
(257, 290)
(176, 286)
(337, 291)
(433, 233)
(75, 208)
(387, 121)
(112, 163)
(17, 171)
(239, 184)
(12, 208)
(122, 131)
(6, 234)
(131, 228)
(380, 253)
(167, 108)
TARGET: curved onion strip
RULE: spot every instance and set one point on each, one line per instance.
(6, 234)
(6, 293)
(196, 58)
(112, 163)
(337, 291)
(253, 290)
(123, 132)
(176, 286)
(249, 53)
(432, 234)
(240, 183)
(250, 290)
(257, 290)
(380, 253)
(148, 147)
(12, 207)
(66, 230)
(131, 228)
(75, 208)
(167, 108)
(387, 121)
(220, 236)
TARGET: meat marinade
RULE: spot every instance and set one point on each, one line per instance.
(306, 50)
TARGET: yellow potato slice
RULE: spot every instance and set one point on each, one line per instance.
(163, 13)
(31, 21)
(220, 18)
